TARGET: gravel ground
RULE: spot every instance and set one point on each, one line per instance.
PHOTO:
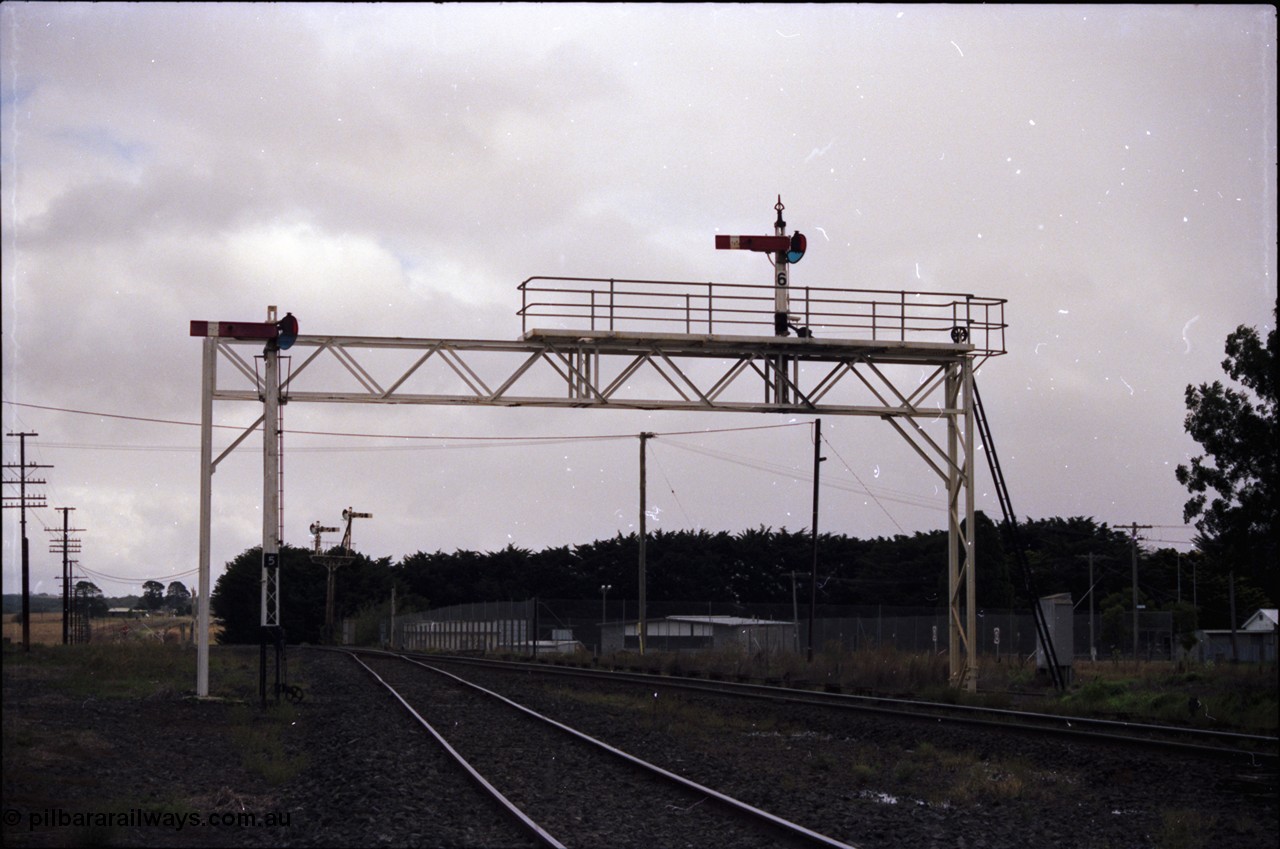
(880, 783)
(578, 793)
(355, 770)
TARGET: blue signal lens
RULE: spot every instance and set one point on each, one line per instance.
(287, 328)
(798, 244)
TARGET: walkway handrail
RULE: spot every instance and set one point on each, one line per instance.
(700, 307)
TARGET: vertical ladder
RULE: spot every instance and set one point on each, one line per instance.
(280, 474)
(1014, 538)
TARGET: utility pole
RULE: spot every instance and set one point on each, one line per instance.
(23, 502)
(66, 546)
(640, 626)
(1133, 555)
(813, 577)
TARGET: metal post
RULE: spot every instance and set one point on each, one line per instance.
(795, 616)
(330, 635)
(781, 297)
(958, 639)
(640, 627)
(270, 610)
(604, 591)
(1093, 649)
(208, 379)
(970, 532)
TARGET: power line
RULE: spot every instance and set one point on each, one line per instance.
(670, 487)
(909, 499)
(850, 470)
(360, 435)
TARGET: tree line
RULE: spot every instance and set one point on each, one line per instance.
(752, 566)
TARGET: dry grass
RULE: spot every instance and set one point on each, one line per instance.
(46, 629)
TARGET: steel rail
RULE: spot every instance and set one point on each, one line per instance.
(523, 819)
(791, 828)
(737, 805)
(1082, 728)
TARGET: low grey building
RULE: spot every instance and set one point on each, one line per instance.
(1255, 641)
(702, 633)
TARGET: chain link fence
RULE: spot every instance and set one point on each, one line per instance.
(559, 625)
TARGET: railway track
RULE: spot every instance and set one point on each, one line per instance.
(1251, 750)
(871, 779)
(566, 788)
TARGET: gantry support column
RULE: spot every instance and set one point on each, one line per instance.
(208, 382)
(271, 486)
(961, 590)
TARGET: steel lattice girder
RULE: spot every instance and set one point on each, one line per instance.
(637, 371)
(609, 370)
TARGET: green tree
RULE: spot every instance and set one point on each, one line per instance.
(178, 598)
(88, 594)
(152, 595)
(1233, 484)
(236, 599)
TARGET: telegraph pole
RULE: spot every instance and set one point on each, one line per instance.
(66, 546)
(1133, 555)
(813, 576)
(23, 502)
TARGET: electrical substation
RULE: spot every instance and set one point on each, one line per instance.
(906, 358)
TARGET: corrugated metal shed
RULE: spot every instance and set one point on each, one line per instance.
(702, 633)
(1255, 641)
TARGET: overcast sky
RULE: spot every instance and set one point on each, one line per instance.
(397, 170)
